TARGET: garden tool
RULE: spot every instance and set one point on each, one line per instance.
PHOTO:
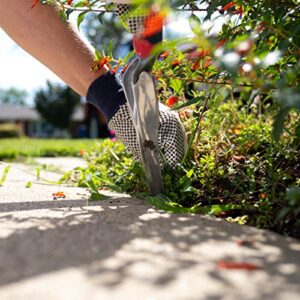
(141, 96)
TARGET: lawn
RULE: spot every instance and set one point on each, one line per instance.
(18, 148)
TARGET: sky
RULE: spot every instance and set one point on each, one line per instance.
(19, 69)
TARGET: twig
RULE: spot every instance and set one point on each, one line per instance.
(206, 81)
(88, 9)
(100, 10)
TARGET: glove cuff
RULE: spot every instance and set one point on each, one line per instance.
(106, 94)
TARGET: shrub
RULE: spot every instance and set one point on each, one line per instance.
(240, 166)
(236, 171)
(9, 130)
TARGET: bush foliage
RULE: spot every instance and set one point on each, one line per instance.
(237, 92)
(241, 173)
(9, 130)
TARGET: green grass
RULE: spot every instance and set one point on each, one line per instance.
(18, 148)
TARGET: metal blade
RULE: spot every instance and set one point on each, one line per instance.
(143, 104)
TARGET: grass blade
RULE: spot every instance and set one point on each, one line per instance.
(4, 175)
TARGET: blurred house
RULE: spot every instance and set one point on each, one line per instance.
(86, 122)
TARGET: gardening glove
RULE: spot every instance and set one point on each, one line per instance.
(107, 94)
(147, 29)
(171, 134)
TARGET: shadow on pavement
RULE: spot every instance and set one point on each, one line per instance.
(33, 205)
(119, 241)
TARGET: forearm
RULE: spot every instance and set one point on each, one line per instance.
(53, 42)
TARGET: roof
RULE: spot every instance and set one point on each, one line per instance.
(10, 112)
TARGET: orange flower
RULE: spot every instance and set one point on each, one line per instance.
(98, 65)
(69, 2)
(175, 63)
(82, 152)
(172, 101)
(221, 43)
(239, 11)
(227, 6)
(34, 3)
(103, 62)
(196, 66)
(198, 54)
(207, 63)
(262, 195)
(165, 54)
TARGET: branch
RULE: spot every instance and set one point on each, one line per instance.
(100, 10)
(205, 81)
(88, 9)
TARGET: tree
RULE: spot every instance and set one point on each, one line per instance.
(13, 96)
(56, 103)
(108, 34)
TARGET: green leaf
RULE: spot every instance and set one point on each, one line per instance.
(38, 173)
(293, 196)
(279, 123)
(129, 56)
(164, 203)
(28, 185)
(100, 17)
(98, 55)
(95, 196)
(195, 25)
(283, 213)
(63, 15)
(80, 18)
(189, 102)
(81, 3)
(217, 209)
(4, 175)
(176, 85)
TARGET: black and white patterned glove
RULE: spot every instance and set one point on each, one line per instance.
(171, 139)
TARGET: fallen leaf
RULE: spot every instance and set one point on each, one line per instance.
(244, 242)
(237, 265)
(58, 195)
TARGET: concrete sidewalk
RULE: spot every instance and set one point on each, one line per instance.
(122, 248)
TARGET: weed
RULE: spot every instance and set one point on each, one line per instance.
(236, 172)
(28, 184)
(4, 175)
